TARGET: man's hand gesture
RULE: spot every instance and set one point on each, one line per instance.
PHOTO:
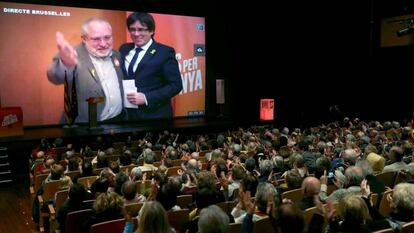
(67, 53)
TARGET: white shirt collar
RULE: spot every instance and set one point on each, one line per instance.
(146, 46)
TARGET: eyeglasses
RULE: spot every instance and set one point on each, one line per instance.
(140, 30)
(99, 39)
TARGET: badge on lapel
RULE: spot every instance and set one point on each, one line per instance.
(153, 51)
(116, 62)
(93, 72)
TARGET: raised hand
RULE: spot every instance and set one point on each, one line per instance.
(246, 202)
(194, 178)
(330, 212)
(223, 180)
(270, 177)
(337, 182)
(67, 53)
(319, 204)
(154, 191)
(271, 208)
(365, 189)
(188, 183)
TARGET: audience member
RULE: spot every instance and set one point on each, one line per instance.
(213, 220)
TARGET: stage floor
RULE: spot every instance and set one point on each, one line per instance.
(179, 124)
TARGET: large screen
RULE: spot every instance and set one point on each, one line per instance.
(28, 44)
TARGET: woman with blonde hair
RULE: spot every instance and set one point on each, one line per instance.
(353, 216)
(152, 219)
(107, 206)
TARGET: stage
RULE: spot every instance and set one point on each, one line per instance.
(178, 125)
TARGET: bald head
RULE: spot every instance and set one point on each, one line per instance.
(195, 155)
(192, 164)
(311, 186)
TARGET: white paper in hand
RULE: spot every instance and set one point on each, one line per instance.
(129, 87)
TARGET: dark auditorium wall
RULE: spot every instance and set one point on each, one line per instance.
(310, 56)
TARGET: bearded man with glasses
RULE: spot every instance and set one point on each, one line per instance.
(91, 69)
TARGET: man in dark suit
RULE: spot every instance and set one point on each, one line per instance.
(96, 68)
(154, 68)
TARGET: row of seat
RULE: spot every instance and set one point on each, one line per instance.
(178, 218)
(406, 228)
(175, 218)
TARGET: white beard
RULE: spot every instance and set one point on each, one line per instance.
(96, 53)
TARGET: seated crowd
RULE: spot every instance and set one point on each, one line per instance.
(327, 178)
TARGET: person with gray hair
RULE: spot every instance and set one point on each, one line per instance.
(285, 131)
(147, 151)
(297, 160)
(279, 163)
(396, 124)
(234, 152)
(402, 205)
(213, 220)
(135, 174)
(266, 167)
(264, 191)
(92, 69)
(236, 149)
(214, 155)
(171, 153)
(149, 159)
(397, 164)
(100, 160)
(350, 156)
(403, 198)
(353, 178)
(321, 146)
(365, 166)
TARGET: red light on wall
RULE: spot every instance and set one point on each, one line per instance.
(267, 107)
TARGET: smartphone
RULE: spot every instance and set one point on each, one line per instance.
(331, 177)
(277, 175)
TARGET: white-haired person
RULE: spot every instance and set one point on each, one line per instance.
(402, 204)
